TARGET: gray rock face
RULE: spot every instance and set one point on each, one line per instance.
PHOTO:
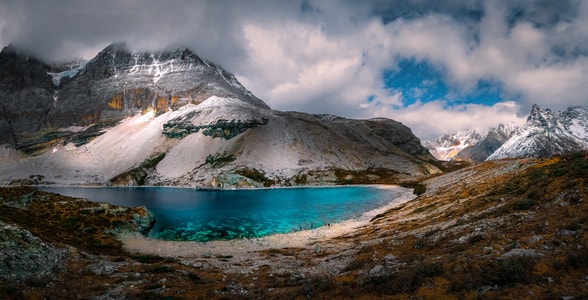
(118, 82)
(26, 257)
(520, 253)
(26, 95)
(113, 85)
(377, 270)
(390, 260)
(182, 126)
(389, 130)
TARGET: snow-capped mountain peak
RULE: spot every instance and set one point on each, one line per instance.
(469, 144)
(547, 133)
(448, 146)
(506, 130)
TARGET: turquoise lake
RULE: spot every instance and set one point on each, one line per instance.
(185, 214)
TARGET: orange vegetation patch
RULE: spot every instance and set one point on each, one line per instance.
(116, 102)
(162, 104)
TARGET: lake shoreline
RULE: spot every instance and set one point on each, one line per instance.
(203, 188)
(135, 243)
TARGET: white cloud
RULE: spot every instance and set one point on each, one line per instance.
(312, 71)
(298, 66)
(431, 119)
(557, 85)
(311, 67)
(329, 56)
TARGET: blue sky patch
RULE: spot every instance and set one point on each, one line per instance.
(487, 92)
(416, 81)
(420, 81)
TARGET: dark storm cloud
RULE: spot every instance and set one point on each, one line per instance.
(60, 29)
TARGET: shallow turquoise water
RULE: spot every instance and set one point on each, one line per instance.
(197, 215)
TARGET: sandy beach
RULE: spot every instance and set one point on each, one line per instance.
(139, 244)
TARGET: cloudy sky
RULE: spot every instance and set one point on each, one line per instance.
(436, 66)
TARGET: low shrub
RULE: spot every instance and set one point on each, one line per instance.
(578, 259)
(512, 270)
(407, 280)
(159, 269)
(524, 204)
(419, 189)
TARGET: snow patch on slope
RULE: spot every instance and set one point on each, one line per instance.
(58, 76)
(120, 148)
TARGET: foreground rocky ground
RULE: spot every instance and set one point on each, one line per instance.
(509, 229)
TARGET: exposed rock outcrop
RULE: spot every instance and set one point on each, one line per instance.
(25, 257)
(136, 176)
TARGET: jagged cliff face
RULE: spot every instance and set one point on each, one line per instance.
(117, 83)
(547, 133)
(26, 95)
(225, 142)
(172, 118)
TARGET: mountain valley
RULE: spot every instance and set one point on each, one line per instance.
(501, 215)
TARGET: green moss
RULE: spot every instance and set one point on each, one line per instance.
(220, 159)
(301, 179)
(256, 175)
(138, 175)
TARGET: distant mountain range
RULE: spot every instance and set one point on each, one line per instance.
(545, 133)
(173, 118)
(447, 146)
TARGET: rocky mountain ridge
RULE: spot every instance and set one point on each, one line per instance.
(495, 137)
(545, 133)
(173, 118)
(36, 96)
